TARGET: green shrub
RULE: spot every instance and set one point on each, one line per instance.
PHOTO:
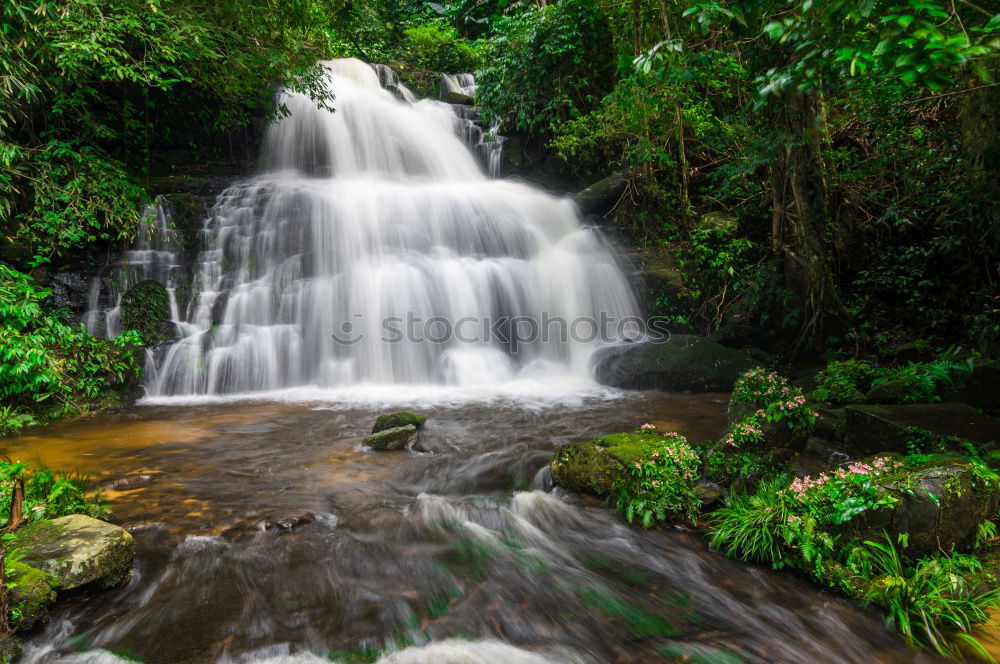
(934, 602)
(765, 398)
(845, 382)
(661, 481)
(545, 66)
(437, 46)
(854, 381)
(749, 527)
(47, 494)
(43, 358)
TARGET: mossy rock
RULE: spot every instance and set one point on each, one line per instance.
(870, 429)
(777, 435)
(400, 419)
(77, 550)
(682, 363)
(980, 388)
(395, 438)
(594, 467)
(10, 648)
(32, 592)
(454, 97)
(145, 308)
(940, 506)
(919, 350)
(599, 197)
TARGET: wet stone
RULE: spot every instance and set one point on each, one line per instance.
(130, 483)
(400, 419)
(392, 439)
(77, 550)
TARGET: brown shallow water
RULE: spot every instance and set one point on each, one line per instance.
(461, 551)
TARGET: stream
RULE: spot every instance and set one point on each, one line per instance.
(266, 532)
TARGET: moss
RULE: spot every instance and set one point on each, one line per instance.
(592, 467)
(31, 593)
(77, 550)
(38, 534)
(400, 419)
(145, 309)
(392, 439)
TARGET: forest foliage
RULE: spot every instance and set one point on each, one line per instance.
(822, 172)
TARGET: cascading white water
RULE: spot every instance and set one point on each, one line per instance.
(373, 212)
(154, 255)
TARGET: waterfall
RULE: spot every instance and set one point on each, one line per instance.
(367, 223)
(154, 255)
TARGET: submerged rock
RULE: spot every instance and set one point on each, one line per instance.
(145, 309)
(392, 439)
(287, 521)
(400, 419)
(869, 429)
(131, 483)
(683, 363)
(77, 550)
(30, 595)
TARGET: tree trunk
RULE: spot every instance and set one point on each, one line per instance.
(800, 220)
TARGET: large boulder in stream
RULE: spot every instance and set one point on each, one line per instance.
(395, 438)
(76, 550)
(593, 467)
(145, 308)
(682, 363)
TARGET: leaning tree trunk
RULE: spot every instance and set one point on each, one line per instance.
(800, 220)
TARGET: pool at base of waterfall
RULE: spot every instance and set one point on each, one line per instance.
(267, 532)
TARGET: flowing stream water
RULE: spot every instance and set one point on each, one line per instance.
(266, 531)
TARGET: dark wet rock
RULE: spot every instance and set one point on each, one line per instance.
(710, 494)
(131, 483)
(70, 290)
(455, 97)
(825, 451)
(601, 196)
(683, 363)
(77, 550)
(830, 422)
(869, 429)
(286, 522)
(940, 505)
(980, 388)
(30, 595)
(392, 439)
(662, 283)
(400, 419)
(913, 351)
(145, 309)
(10, 648)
